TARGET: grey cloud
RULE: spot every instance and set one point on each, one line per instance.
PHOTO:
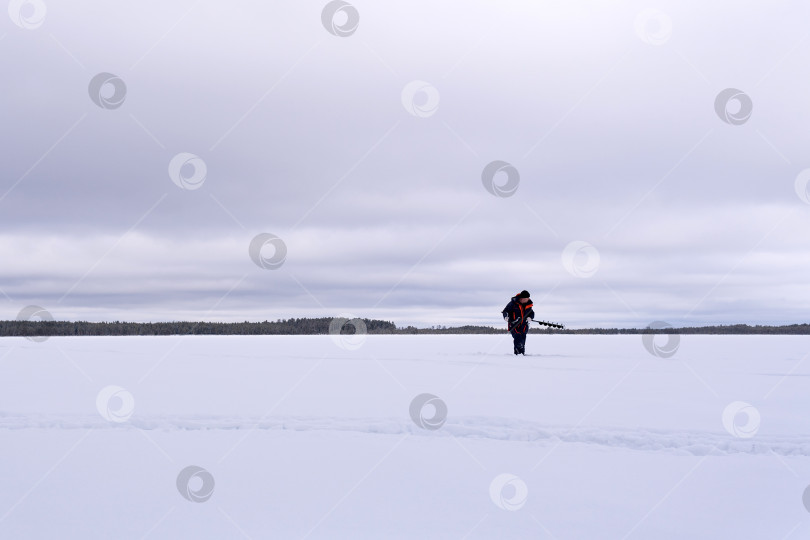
(304, 135)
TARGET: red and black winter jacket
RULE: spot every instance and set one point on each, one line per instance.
(515, 311)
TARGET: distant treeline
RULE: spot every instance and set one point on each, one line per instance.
(313, 326)
(117, 328)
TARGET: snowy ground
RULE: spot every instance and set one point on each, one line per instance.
(297, 437)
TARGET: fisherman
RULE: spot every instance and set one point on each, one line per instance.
(518, 313)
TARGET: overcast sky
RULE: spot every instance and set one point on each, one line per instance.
(633, 186)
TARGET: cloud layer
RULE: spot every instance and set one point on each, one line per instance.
(365, 155)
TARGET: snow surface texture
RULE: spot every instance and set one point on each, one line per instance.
(587, 437)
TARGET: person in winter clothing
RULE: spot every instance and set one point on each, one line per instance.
(518, 313)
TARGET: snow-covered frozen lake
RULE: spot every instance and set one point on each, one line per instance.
(587, 437)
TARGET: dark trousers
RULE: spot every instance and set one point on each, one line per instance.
(520, 340)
